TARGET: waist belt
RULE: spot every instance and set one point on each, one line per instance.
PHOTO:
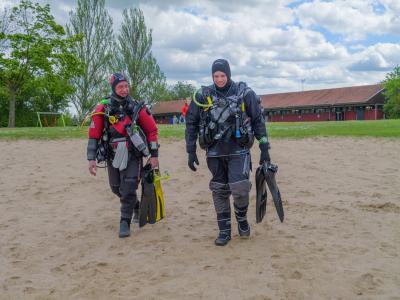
(120, 139)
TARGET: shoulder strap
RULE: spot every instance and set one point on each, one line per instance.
(138, 106)
(243, 89)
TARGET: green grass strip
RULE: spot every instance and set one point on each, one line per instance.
(381, 128)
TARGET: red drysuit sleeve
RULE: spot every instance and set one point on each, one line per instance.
(148, 125)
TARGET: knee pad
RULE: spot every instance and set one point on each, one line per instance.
(240, 188)
(240, 192)
(220, 193)
(220, 189)
(131, 184)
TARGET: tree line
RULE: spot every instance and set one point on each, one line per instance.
(46, 67)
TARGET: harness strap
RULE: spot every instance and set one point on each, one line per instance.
(136, 110)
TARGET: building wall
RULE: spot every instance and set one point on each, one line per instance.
(370, 115)
(345, 114)
(168, 118)
(299, 117)
(304, 115)
(160, 120)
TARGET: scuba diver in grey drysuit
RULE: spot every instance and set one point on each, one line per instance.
(226, 116)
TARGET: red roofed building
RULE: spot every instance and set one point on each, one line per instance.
(348, 103)
(165, 111)
(337, 104)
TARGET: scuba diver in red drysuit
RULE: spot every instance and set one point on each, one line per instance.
(122, 132)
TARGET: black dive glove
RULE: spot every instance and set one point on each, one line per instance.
(264, 156)
(191, 160)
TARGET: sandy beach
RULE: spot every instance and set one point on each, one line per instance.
(340, 238)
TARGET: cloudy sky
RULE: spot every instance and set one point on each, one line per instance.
(275, 46)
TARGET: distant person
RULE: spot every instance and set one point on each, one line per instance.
(111, 124)
(184, 111)
(224, 116)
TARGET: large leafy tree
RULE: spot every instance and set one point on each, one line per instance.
(133, 56)
(37, 58)
(92, 21)
(392, 93)
(182, 90)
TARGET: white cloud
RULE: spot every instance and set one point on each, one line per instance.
(192, 42)
(354, 19)
(6, 4)
(379, 57)
(268, 44)
(176, 29)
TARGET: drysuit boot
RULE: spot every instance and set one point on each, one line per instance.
(224, 225)
(124, 228)
(241, 218)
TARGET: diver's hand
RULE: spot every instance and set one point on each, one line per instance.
(264, 155)
(192, 159)
(92, 167)
(154, 162)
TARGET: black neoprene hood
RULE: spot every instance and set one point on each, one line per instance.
(223, 66)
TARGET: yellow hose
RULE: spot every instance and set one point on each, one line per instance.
(200, 104)
(91, 115)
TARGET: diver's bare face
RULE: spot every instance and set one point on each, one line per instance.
(122, 89)
(220, 79)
